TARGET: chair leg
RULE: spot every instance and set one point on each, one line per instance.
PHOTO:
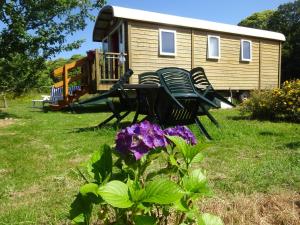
(212, 119)
(106, 120)
(222, 99)
(122, 117)
(202, 129)
(114, 115)
(135, 117)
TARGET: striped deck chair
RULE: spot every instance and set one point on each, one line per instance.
(56, 95)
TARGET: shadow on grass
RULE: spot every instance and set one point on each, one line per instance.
(78, 109)
(293, 145)
(4, 115)
(88, 109)
(269, 133)
(239, 118)
(103, 127)
(274, 120)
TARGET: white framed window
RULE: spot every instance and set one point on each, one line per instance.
(167, 42)
(246, 50)
(213, 47)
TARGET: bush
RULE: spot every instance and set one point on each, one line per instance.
(148, 178)
(278, 103)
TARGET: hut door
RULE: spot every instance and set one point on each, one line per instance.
(114, 44)
(117, 40)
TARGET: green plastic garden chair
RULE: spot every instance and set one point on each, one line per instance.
(146, 101)
(177, 84)
(204, 87)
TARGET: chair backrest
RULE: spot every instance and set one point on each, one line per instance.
(199, 78)
(56, 94)
(178, 81)
(149, 78)
(177, 85)
(170, 114)
(204, 87)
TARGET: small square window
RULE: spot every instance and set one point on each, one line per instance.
(167, 42)
(213, 50)
(246, 50)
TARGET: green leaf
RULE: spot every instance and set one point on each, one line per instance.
(191, 153)
(162, 191)
(166, 171)
(180, 144)
(173, 160)
(100, 165)
(195, 182)
(146, 208)
(89, 188)
(136, 191)
(116, 194)
(81, 209)
(144, 220)
(208, 219)
(79, 219)
(181, 206)
(197, 158)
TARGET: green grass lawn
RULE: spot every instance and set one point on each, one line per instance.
(39, 153)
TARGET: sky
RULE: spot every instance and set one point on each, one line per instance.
(223, 11)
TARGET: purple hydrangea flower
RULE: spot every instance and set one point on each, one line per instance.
(139, 139)
(183, 132)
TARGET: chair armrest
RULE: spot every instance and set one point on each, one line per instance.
(208, 88)
(174, 100)
(207, 100)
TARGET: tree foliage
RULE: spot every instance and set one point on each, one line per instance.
(32, 31)
(258, 20)
(286, 20)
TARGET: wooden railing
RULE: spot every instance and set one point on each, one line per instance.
(113, 66)
(98, 71)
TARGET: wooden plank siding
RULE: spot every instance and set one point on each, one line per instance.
(145, 48)
(269, 64)
(229, 72)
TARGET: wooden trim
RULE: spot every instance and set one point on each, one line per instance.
(115, 53)
(192, 49)
(279, 64)
(129, 49)
(70, 80)
(97, 77)
(109, 79)
(65, 80)
(57, 72)
(259, 64)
